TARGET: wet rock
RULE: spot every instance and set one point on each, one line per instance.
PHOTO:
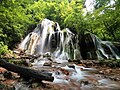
(8, 75)
(47, 63)
(2, 77)
(81, 65)
(27, 63)
(15, 75)
(21, 86)
(49, 58)
(108, 70)
(71, 66)
(85, 82)
(8, 55)
(66, 72)
(34, 85)
(117, 79)
(114, 78)
(101, 72)
(89, 64)
(9, 82)
(48, 54)
(2, 70)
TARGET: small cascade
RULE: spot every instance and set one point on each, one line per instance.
(77, 54)
(47, 37)
(105, 49)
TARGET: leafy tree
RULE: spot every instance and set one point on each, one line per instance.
(13, 21)
(18, 17)
(3, 49)
(105, 20)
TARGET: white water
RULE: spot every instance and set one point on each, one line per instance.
(111, 53)
(48, 37)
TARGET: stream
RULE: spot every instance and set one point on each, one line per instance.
(63, 45)
(71, 76)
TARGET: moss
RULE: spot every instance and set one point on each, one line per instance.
(2, 86)
(110, 63)
(17, 62)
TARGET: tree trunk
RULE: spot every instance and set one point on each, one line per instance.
(26, 72)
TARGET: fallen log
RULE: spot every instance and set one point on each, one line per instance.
(25, 72)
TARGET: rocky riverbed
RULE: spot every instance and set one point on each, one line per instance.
(83, 75)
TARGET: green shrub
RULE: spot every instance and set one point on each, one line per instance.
(3, 48)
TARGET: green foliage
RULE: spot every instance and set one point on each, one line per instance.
(3, 48)
(17, 16)
(13, 21)
(110, 63)
(105, 20)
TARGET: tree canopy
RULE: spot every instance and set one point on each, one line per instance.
(18, 17)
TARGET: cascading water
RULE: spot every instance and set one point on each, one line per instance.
(105, 49)
(47, 37)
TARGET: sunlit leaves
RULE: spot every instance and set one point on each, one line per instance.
(3, 48)
(17, 16)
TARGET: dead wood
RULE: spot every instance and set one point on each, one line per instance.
(26, 72)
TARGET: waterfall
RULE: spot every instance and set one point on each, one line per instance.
(48, 37)
(105, 49)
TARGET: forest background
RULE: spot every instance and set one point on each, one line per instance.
(19, 17)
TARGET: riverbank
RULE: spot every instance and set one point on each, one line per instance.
(95, 78)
